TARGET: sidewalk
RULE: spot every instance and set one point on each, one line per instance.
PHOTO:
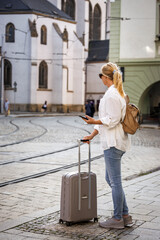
(143, 196)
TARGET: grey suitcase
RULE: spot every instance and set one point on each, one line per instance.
(79, 195)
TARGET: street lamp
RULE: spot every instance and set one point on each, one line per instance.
(15, 86)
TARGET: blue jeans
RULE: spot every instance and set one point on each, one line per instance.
(113, 177)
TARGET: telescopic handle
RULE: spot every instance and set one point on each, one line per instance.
(79, 173)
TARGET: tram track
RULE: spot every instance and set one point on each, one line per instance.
(25, 140)
(41, 174)
(39, 155)
(43, 154)
(54, 170)
(7, 134)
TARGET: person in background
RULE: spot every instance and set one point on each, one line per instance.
(115, 142)
(88, 108)
(6, 107)
(92, 109)
(44, 107)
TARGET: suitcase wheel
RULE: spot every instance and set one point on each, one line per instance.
(95, 219)
(60, 221)
(68, 224)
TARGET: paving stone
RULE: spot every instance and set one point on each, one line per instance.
(155, 213)
(32, 235)
(146, 218)
(151, 225)
(146, 237)
(156, 220)
(143, 232)
(13, 231)
(5, 236)
(128, 237)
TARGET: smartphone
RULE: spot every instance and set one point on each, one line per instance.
(83, 117)
(85, 140)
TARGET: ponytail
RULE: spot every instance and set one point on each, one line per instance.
(117, 81)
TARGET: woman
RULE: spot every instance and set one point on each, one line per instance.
(114, 141)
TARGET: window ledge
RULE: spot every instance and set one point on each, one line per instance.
(44, 89)
(70, 91)
(8, 88)
(157, 40)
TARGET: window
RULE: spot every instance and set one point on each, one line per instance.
(90, 22)
(7, 74)
(97, 23)
(158, 19)
(43, 35)
(122, 71)
(68, 7)
(68, 80)
(43, 75)
(157, 41)
(63, 5)
(10, 33)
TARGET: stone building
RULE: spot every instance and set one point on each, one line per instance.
(43, 47)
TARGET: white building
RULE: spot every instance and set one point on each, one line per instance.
(44, 47)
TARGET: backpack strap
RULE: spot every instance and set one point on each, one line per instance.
(126, 99)
(127, 102)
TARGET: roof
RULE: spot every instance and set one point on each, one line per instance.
(30, 6)
(98, 50)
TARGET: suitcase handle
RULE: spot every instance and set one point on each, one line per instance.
(79, 173)
(79, 157)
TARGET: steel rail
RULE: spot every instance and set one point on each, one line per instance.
(28, 139)
(22, 179)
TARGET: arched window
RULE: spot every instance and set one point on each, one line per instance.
(97, 23)
(90, 22)
(63, 5)
(43, 75)
(7, 74)
(43, 35)
(68, 7)
(10, 33)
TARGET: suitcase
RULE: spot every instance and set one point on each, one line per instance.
(79, 195)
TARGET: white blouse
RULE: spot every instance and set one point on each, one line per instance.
(112, 109)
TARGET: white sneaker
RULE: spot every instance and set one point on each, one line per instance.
(112, 223)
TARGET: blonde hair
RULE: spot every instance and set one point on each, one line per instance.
(113, 72)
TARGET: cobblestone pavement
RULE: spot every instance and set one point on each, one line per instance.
(34, 145)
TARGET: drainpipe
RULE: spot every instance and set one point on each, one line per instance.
(2, 75)
(85, 84)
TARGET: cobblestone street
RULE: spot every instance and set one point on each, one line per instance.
(34, 154)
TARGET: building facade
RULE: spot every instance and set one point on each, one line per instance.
(44, 47)
(135, 46)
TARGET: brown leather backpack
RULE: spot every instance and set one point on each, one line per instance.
(130, 123)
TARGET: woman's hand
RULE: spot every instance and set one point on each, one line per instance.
(91, 136)
(90, 120)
